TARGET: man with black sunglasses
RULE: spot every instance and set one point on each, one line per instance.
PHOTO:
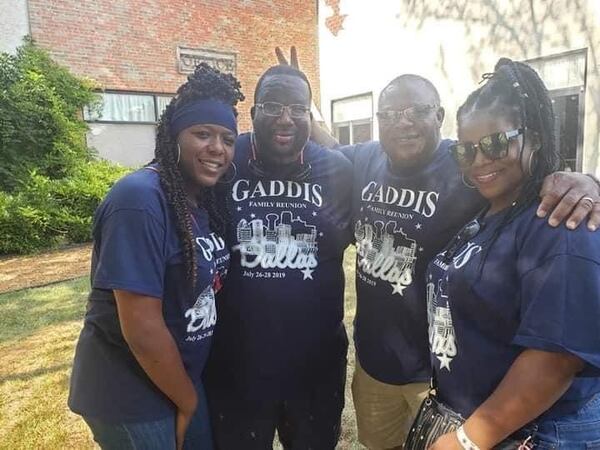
(408, 201)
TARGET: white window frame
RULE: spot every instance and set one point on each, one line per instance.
(157, 108)
(575, 84)
(350, 123)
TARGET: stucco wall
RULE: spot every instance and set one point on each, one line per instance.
(130, 145)
(452, 42)
(14, 24)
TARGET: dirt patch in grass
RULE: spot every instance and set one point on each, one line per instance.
(22, 272)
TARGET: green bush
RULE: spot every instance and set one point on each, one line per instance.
(50, 184)
(46, 212)
(41, 127)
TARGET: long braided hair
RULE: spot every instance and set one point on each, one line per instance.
(516, 92)
(204, 83)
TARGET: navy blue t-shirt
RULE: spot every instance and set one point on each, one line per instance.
(537, 287)
(281, 311)
(400, 221)
(137, 249)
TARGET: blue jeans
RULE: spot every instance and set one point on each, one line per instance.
(573, 432)
(154, 435)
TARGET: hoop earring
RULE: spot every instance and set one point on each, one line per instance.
(232, 177)
(531, 163)
(464, 180)
(178, 154)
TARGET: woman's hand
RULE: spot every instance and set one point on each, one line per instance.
(182, 421)
(448, 441)
(154, 348)
(534, 382)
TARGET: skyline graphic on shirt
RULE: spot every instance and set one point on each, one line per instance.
(203, 314)
(385, 252)
(442, 338)
(279, 241)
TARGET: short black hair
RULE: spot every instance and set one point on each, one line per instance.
(281, 69)
(411, 77)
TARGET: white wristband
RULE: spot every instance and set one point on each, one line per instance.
(465, 442)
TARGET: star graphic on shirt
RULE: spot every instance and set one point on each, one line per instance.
(321, 234)
(239, 208)
(361, 209)
(444, 362)
(420, 249)
(211, 271)
(253, 215)
(307, 273)
(398, 288)
(366, 219)
(314, 213)
(418, 226)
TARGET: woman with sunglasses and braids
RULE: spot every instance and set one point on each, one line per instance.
(158, 259)
(513, 303)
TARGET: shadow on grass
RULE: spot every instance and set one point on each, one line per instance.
(27, 376)
(22, 313)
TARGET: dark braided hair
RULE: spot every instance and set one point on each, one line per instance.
(204, 83)
(516, 92)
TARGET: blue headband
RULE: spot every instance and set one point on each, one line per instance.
(208, 112)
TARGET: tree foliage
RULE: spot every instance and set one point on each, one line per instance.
(50, 182)
(41, 126)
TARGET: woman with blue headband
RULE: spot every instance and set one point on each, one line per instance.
(158, 259)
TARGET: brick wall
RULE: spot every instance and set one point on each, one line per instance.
(132, 44)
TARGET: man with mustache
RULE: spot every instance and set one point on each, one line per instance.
(408, 200)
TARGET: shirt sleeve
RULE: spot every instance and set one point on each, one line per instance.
(131, 253)
(349, 151)
(560, 308)
(340, 199)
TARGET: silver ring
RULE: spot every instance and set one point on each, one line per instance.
(589, 199)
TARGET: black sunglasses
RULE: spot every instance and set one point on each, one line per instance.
(494, 146)
(468, 232)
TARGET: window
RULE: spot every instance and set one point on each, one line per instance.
(564, 76)
(569, 124)
(161, 103)
(127, 108)
(352, 119)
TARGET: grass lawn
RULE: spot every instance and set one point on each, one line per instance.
(38, 330)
